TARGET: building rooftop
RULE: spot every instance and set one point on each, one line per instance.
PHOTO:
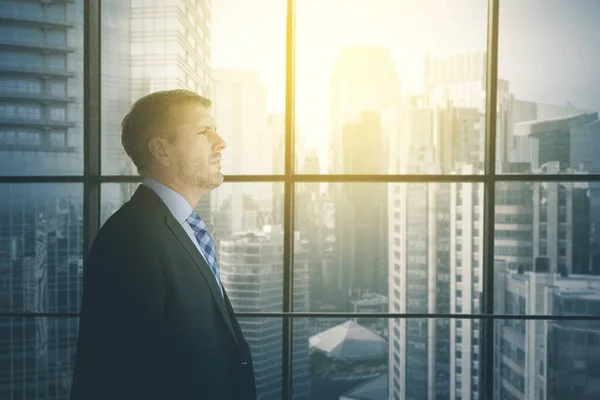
(374, 389)
(577, 285)
(350, 341)
(537, 127)
(580, 286)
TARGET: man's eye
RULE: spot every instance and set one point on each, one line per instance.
(202, 133)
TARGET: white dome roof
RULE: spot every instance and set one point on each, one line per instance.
(350, 341)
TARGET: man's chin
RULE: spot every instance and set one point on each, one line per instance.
(217, 180)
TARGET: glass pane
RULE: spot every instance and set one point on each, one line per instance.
(212, 48)
(409, 248)
(334, 356)
(245, 223)
(550, 113)
(41, 258)
(389, 358)
(547, 248)
(547, 359)
(113, 196)
(264, 335)
(393, 86)
(41, 88)
(37, 356)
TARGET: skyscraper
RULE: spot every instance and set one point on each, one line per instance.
(252, 272)
(436, 232)
(546, 360)
(41, 124)
(566, 144)
(420, 283)
(41, 121)
(364, 79)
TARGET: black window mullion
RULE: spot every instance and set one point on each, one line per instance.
(329, 178)
(91, 123)
(486, 388)
(288, 206)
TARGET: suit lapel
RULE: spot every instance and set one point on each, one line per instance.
(203, 267)
(144, 197)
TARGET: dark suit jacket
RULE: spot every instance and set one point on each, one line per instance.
(154, 324)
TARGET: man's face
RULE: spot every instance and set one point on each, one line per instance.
(196, 147)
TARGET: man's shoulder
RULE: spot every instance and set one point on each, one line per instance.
(128, 222)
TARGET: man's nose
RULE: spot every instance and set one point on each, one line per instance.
(219, 144)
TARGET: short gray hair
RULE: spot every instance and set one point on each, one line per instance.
(146, 119)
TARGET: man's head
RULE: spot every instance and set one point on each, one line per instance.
(171, 135)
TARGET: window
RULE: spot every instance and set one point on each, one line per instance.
(365, 104)
(57, 88)
(58, 139)
(57, 114)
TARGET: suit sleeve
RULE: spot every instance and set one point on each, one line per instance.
(121, 348)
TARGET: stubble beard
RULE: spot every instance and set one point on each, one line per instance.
(199, 176)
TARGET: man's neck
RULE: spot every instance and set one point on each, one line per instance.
(191, 194)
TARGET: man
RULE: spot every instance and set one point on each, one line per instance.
(156, 322)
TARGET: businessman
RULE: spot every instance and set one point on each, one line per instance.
(156, 322)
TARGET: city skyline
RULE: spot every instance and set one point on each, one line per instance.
(371, 98)
(410, 32)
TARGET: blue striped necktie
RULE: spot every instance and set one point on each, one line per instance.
(206, 245)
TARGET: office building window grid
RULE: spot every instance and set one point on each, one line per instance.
(424, 206)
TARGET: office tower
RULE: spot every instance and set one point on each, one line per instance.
(364, 87)
(361, 211)
(566, 140)
(252, 272)
(419, 283)
(170, 46)
(40, 271)
(466, 266)
(459, 81)
(573, 347)
(41, 120)
(456, 78)
(116, 86)
(310, 225)
(562, 227)
(41, 125)
(364, 79)
(514, 227)
(566, 145)
(546, 360)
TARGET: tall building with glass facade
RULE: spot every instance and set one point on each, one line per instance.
(364, 79)
(41, 124)
(420, 283)
(41, 87)
(251, 265)
(364, 87)
(546, 360)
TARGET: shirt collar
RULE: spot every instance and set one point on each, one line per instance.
(176, 203)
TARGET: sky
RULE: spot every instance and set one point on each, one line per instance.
(548, 49)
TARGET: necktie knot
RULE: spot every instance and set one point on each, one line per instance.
(196, 223)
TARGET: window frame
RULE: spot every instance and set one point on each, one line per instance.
(92, 180)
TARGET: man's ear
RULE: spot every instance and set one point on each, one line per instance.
(157, 146)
